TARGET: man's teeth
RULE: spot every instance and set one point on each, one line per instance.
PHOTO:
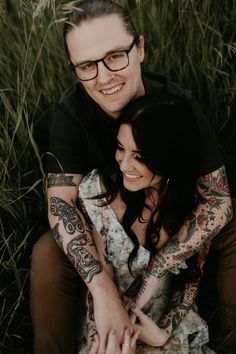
(131, 176)
(112, 90)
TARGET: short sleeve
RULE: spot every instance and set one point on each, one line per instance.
(68, 146)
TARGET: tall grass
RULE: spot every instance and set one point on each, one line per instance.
(193, 42)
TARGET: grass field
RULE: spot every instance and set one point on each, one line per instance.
(191, 41)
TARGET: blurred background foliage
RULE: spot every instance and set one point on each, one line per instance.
(193, 42)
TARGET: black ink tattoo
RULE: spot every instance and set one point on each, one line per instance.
(91, 326)
(59, 179)
(179, 304)
(172, 246)
(137, 288)
(57, 236)
(90, 307)
(83, 260)
(71, 220)
(81, 207)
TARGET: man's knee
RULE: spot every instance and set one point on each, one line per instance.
(49, 263)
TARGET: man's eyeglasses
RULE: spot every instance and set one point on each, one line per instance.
(114, 62)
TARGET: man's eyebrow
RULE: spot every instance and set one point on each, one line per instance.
(116, 49)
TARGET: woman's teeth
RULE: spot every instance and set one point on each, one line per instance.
(131, 176)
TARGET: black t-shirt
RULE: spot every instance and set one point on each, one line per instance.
(82, 135)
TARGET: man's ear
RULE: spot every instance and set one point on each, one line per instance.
(140, 47)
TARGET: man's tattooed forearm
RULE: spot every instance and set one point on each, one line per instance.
(91, 326)
(179, 305)
(70, 217)
(137, 288)
(215, 182)
(83, 260)
(90, 307)
(59, 179)
(56, 235)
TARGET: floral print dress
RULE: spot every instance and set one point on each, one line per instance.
(192, 333)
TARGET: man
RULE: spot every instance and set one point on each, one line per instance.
(106, 54)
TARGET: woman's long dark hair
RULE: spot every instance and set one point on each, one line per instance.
(165, 132)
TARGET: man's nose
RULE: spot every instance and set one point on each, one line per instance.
(104, 74)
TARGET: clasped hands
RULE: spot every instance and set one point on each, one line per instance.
(131, 321)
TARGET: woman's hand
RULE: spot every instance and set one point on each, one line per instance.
(150, 333)
(128, 347)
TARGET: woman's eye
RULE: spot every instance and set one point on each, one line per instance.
(119, 148)
(140, 159)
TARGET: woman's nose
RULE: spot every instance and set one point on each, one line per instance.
(124, 163)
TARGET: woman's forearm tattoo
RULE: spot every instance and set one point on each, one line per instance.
(68, 214)
(137, 288)
(83, 260)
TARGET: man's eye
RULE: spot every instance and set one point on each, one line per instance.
(115, 56)
(87, 66)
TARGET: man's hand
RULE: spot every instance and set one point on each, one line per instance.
(127, 347)
(150, 333)
(110, 315)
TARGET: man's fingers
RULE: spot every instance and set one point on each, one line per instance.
(113, 343)
(95, 345)
(126, 347)
(102, 346)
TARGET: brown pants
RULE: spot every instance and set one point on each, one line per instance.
(57, 294)
(217, 296)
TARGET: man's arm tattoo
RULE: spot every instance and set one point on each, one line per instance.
(83, 260)
(57, 236)
(68, 214)
(91, 326)
(214, 210)
(179, 304)
(79, 248)
(59, 179)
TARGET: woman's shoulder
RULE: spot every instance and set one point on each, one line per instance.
(90, 185)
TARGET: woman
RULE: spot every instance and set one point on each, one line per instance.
(137, 211)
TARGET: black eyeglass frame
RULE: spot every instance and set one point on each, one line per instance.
(127, 51)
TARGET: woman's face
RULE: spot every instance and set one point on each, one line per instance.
(136, 175)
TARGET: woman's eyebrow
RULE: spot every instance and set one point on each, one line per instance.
(135, 151)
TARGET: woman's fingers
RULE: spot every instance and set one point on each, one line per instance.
(129, 345)
(133, 318)
(137, 311)
(134, 339)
